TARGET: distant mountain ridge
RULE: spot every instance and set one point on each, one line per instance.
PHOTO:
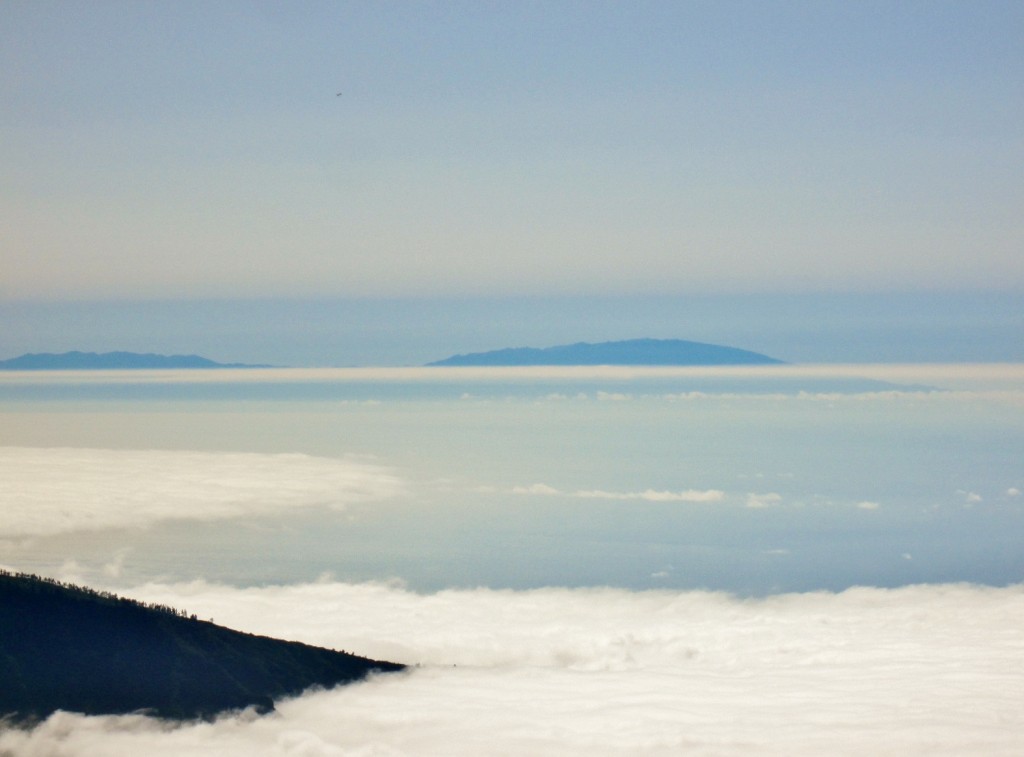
(628, 352)
(48, 361)
(66, 647)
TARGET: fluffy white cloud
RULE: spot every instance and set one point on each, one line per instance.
(48, 491)
(917, 670)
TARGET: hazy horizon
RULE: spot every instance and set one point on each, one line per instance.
(932, 327)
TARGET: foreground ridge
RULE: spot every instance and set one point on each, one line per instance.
(68, 647)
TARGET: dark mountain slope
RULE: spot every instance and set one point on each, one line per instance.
(629, 352)
(47, 361)
(70, 648)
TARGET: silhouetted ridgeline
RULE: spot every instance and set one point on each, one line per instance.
(66, 647)
(82, 361)
(629, 352)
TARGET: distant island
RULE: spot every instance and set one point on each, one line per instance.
(67, 647)
(629, 352)
(83, 361)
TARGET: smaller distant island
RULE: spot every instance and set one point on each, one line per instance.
(85, 361)
(628, 352)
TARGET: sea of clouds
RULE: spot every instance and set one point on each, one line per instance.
(919, 670)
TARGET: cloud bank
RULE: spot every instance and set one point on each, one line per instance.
(918, 670)
(49, 491)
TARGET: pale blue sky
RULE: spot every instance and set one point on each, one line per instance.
(198, 150)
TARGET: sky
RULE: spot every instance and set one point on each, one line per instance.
(202, 152)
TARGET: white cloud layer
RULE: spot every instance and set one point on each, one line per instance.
(911, 671)
(49, 491)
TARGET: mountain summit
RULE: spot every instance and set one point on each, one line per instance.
(629, 352)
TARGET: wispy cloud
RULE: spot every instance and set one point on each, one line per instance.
(753, 500)
(768, 499)
(610, 672)
(689, 495)
(613, 396)
(49, 491)
(538, 489)
(650, 495)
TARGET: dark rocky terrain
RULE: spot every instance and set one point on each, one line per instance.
(66, 647)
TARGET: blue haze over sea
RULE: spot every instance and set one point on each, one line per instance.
(747, 480)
